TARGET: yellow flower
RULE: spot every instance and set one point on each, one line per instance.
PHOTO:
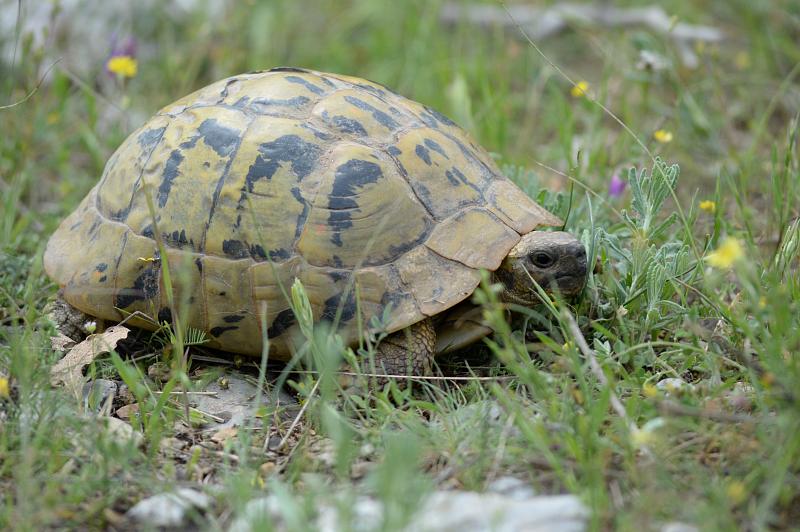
(646, 435)
(663, 136)
(742, 60)
(579, 89)
(577, 395)
(699, 46)
(708, 206)
(641, 438)
(728, 252)
(124, 66)
(649, 390)
(4, 392)
(736, 491)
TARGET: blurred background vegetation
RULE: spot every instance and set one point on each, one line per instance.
(724, 114)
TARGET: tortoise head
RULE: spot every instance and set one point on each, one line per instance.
(554, 259)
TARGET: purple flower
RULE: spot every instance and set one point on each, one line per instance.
(616, 187)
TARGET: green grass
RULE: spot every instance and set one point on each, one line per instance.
(657, 308)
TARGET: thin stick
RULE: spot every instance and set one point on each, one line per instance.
(589, 355)
(189, 393)
(296, 419)
(414, 377)
(210, 416)
(35, 89)
(138, 314)
(183, 390)
(88, 88)
(583, 185)
(215, 360)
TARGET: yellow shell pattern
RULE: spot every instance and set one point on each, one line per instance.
(370, 199)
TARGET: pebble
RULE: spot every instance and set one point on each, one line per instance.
(233, 400)
(677, 526)
(462, 510)
(511, 487)
(159, 371)
(440, 511)
(487, 414)
(128, 411)
(122, 433)
(674, 386)
(171, 445)
(741, 398)
(168, 509)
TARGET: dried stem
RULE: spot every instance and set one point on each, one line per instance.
(589, 355)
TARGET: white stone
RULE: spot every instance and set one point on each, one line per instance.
(122, 432)
(168, 509)
(440, 511)
(256, 514)
(677, 526)
(235, 401)
(457, 511)
(511, 487)
(674, 385)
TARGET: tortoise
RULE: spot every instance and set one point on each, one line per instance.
(379, 205)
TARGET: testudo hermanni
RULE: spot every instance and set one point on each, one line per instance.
(372, 200)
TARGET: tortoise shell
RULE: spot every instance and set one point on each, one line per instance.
(370, 199)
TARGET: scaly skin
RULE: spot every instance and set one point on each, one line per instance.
(407, 352)
(69, 321)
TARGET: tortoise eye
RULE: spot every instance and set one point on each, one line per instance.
(542, 259)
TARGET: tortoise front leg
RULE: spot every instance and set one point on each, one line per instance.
(409, 351)
(463, 325)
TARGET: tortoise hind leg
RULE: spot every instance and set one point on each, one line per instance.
(68, 320)
(407, 352)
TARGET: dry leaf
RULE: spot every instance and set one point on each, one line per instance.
(222, 435)
(125, 412)
(61, 342)
(69, 370)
